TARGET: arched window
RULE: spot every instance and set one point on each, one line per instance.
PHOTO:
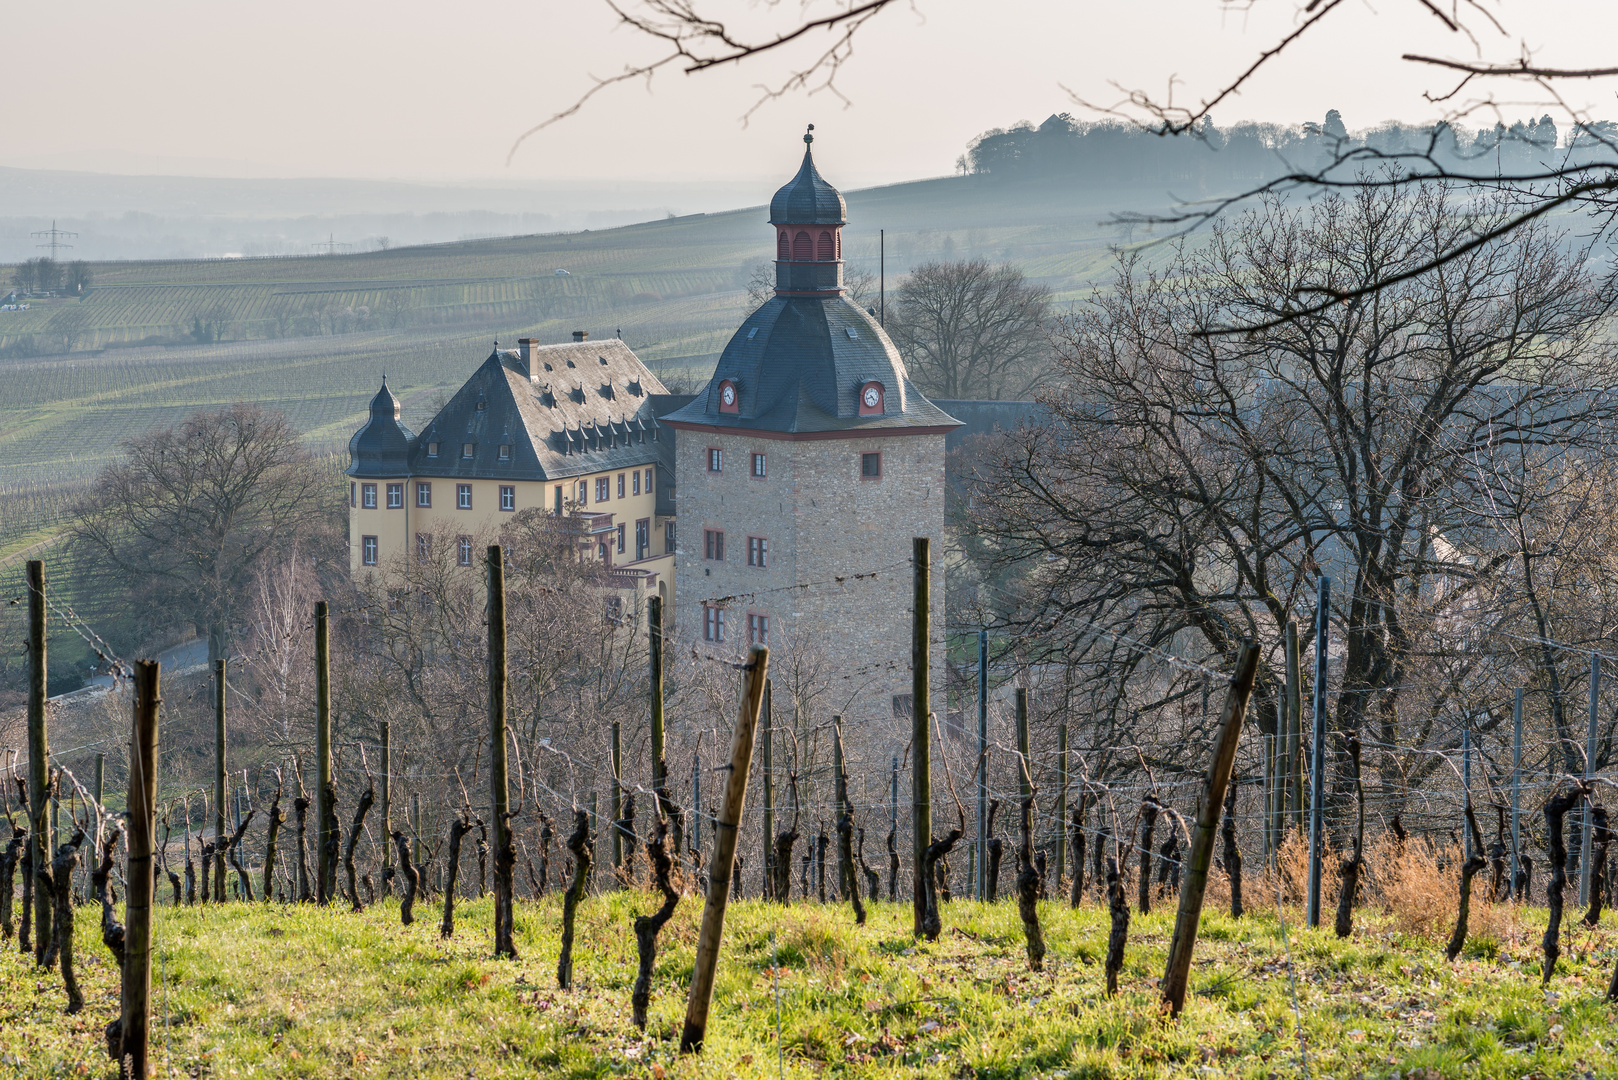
(802, 247)
(783, 247)
(825, 245)
(838, 235)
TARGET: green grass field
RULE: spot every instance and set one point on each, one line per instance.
(276, 991)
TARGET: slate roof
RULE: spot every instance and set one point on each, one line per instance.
(382, 447)
(587, 407)
(798, 363)
(807, 199)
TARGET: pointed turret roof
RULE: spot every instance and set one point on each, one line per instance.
(807, 199)
(382, 447)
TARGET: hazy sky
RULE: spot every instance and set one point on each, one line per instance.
(413, 89)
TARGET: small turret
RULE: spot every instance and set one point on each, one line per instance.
(382, 447)
(808, 215)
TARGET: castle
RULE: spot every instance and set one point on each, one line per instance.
(798, 475)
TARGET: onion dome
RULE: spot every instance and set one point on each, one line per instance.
(807, 199)
(382, 447)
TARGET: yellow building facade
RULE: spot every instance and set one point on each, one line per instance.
(569, 429)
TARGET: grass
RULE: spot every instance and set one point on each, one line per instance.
(299, 992)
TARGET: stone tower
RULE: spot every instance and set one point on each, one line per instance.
(806, 465)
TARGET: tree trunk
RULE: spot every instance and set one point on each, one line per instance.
(1076, 892)
(278, 817)
(845, 863)
(931, 924)
(334, 840)
(1233, 853)
(367, 800)
(112, 932)
(784, 843)
(1119, 908)
(412, 877)
(61, 946)
(1028, 884)
(1497, 858)
(1469, 870)
(505, 890)
(997, 849)
(579, 844)
(1555, 809)
(820, 863)
(208, 852)
(300, 811)
(1523, 886)
(1148, 825)
(233, 852)
(893, 867)
(1599, 837)
(873, 880)
(457, 833)
(1351, 868)
(647, 926)
(8, 877)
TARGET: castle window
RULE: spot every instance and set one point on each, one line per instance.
(620, 485)
(505, 452)
(648, 481)
(837, 238)
(615, 610)
(803, 247)
(622, 528)
(432, 449)
(713, 545)
(463, 496)
(825, 245)
(463, 551)
(716, 459)
(424, 546)
(668, 538)
(424, 494)
(466, 449)
(395, 496)
(643, 538)
(871, 466)
(758, 629)
(603, 489)
(368, 550)
(351, 496)
(368, 496)
(713, 623)
(558, 500)
(584, 492)
(758, 466)
(508, 496)
(758, 551)
(783, 246)
(635, 482)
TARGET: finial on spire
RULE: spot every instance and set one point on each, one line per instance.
(808, 137)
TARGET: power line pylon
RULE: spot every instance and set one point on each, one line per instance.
(330, 245)
(54, 237)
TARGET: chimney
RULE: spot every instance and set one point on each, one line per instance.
(581, 335)
(525, 350)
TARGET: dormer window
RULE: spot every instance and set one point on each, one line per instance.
(482, 405)
(571, 364)
(466, 450)
(727, 396)
(505, 451)
(432, 449)
(872, 395)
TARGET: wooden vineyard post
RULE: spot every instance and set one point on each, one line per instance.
(1061, 799)
(323, 807)
(39, 752)
(505, 855)
(615, 804)
(724, 856)
(221, 827)
(767, 719)
(921, 816)
(1209, 807)
(387, 801)
(135, 1014)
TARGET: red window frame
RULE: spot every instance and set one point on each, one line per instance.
(716, 459)
(713, 544)
(865, 458)
(758, 552)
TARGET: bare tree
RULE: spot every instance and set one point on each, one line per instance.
(1194, 484)
(972, 330)
(192, 512)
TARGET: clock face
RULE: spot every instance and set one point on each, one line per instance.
(873, 397)
(728, 395)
